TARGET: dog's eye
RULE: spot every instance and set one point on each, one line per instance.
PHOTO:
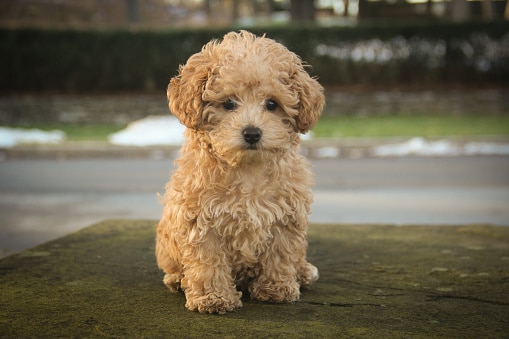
(229, 105)
(271, 105)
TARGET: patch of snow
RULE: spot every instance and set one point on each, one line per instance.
(416, 146)
(421, 147)
(157, 130)
(10, 136)
(327, 152)
(152, 130)
(473, 148)
(307, 136)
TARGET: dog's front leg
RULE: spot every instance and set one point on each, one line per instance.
(282, 267)
(208, 282)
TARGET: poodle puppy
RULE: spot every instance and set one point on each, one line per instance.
(236, 209)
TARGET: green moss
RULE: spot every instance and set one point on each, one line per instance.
(376, 281)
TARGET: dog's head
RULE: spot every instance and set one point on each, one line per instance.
(247, 94)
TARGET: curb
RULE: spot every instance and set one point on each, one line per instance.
(86, 149)
(352, 148)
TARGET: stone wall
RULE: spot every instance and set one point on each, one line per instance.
(121, 109)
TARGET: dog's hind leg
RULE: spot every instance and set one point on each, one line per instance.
(308, 275)
(167, 254)
(172, 281)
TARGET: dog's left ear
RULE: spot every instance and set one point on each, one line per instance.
(311, 100)
(186, 89)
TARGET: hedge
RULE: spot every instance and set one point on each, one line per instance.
(97, 61)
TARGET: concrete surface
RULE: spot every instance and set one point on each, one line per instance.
(43, 199)
(376, 281)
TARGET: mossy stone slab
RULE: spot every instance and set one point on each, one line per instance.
(376, 281)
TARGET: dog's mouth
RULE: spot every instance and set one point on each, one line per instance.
(252, 147)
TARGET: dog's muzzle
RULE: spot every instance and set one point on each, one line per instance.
(252, 135)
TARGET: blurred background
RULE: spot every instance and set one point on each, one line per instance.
(415, 130)
(206, 13)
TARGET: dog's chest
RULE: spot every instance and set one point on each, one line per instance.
(247, 207)
(253, 201)
(244, 215)
(244, 202)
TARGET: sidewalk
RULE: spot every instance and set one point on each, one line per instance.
(376, 282)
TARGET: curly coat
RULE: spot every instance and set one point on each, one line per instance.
(236, 208)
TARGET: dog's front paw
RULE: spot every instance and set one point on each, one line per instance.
(275, 292)
(214, 303)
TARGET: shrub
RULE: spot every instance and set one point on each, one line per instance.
(97, 61)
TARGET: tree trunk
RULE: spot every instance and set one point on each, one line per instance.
(460, 10)
(302, 10)
(132, 11)
(487, 10)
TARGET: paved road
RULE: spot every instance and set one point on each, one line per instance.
(44, 199)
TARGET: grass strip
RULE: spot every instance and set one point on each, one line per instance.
(80, 132)
(337, 127)
(422, 125)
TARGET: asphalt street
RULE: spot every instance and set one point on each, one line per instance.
(41, 200)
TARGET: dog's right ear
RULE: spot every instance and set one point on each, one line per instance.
(185, 90)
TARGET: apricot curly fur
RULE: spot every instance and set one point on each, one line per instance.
(236, 210)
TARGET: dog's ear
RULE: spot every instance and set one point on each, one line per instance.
(311, 100)
(185, 90)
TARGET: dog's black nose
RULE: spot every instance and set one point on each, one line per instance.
(252, 135)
